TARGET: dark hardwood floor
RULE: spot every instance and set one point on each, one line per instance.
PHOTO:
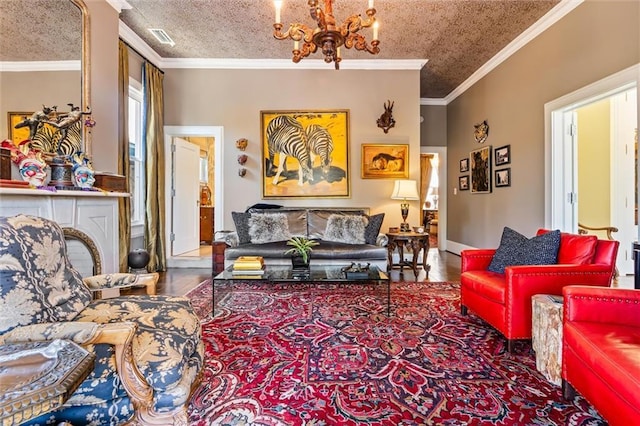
(445, 266)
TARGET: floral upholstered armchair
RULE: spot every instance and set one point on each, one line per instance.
(148, 349)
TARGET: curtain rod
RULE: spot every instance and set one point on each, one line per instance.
(137, 52)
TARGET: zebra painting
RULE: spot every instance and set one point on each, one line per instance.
(320, 145)
(286, 137)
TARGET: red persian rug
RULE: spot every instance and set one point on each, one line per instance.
(328, 355)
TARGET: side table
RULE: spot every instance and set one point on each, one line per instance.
(217, 256)
(546, 338)
(38, 377)
(413, 241)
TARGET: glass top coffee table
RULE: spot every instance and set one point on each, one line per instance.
(315, 274)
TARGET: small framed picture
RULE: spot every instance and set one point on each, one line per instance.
(464, 165)
(503, 155)
(503, 177)
(463, 183)
(381, 161)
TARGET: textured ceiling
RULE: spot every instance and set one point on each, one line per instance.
(457, 37)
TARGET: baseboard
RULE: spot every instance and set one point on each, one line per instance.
(456, 248)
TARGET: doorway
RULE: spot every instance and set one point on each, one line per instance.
(201, 256)
(591, 159)
(440, 193)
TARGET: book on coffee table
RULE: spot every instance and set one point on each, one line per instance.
(245, 263)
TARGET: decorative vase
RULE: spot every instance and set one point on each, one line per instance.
(138, 259)
(61, 174)
(298, 263)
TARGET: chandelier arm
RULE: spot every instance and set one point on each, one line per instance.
(295, 32)
(360, 43)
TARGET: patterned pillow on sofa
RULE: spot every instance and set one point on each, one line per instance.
(516, 249)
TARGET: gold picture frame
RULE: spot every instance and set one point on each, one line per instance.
(385, 161)
(309, 156)
(480, 160)
(47, 136)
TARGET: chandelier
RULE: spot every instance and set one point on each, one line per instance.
(328, 36)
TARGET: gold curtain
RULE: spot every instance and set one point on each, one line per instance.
(124, 203)
(425, 176)
(154, 139)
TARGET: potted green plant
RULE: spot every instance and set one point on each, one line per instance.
(300, 251)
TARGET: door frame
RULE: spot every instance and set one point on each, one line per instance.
(216, 132)
(442, 191)
(554, 150)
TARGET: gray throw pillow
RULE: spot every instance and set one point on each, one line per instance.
(516, 249)
(241, 220)
(373, 228)
(346, 229)
(267, 228)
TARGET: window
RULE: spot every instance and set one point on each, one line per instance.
(136, 156)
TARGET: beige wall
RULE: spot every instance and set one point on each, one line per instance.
(595, 40)
(594, 159)
(28, 91)
(234, 98)
(433, 130)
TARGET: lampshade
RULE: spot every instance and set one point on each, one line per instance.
(405, 190)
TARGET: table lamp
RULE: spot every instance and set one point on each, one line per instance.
(405, 190)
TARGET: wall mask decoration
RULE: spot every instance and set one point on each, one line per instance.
(386, 121)
(241, 144)
(242, 159)
(481, 131)
(242, 172)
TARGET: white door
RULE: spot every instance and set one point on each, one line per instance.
(620, 120)
(185, 230)
(623, 188)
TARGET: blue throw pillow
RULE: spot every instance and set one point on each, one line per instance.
(241, 220)
(373, 228)
(516, 249)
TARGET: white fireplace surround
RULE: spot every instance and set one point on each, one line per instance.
(93, 212)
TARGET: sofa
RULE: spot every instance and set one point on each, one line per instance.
(345, 235)
(497, 284)
(601, 350)
(148, 349)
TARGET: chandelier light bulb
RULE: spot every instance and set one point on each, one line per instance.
(278, 5)
(375, 30)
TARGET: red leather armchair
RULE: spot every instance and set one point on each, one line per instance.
(504, 300)
(601, 350)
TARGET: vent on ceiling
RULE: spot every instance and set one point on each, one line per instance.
(162, 36)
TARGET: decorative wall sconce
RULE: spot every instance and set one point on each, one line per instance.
(242, 159)
(242, 172)
(241, 144)
(386, 121)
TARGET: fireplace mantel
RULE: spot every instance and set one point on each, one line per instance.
(93, 212)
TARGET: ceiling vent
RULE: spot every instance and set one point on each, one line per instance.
(162, 36)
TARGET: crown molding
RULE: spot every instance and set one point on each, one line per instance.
(25, 66)
(310, 64)
(550, 18)
(119, 5)
(433, 101)
(138, 44)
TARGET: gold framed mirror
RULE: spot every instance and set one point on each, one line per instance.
(44, 60)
